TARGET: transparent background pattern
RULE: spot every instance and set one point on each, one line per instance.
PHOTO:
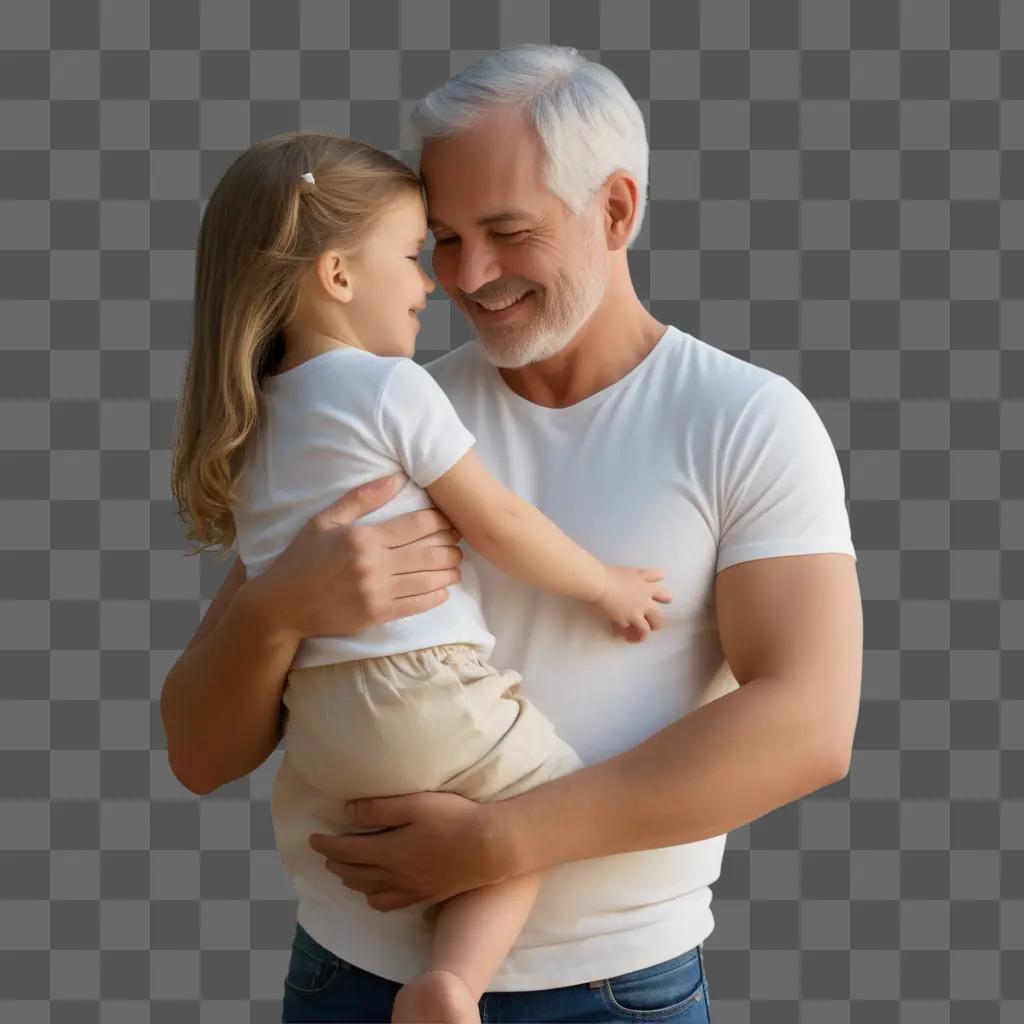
(837, 194)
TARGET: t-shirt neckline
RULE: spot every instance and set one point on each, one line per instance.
(296, 372)
(597, 398)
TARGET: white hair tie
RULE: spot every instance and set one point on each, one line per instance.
(309, 177)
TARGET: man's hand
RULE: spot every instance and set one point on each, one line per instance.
(337, 578)
(437, 845)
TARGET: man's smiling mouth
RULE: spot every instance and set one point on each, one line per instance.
(496, 305)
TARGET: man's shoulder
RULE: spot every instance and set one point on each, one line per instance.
(743, 405)
(715, 379)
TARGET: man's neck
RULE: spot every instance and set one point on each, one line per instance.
(603, 351)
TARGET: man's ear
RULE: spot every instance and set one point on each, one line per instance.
(620, 208)
(334, 272)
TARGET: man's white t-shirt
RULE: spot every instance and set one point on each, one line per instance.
(692, 462)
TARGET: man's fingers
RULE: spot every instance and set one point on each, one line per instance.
(339, 850)
(390, 900)
(411, 583)
(403, 606)
(356, 876)
(443, 538)
(416, 558)
(362, 499)
(412, 526)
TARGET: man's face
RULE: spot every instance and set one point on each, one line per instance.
(511, 255)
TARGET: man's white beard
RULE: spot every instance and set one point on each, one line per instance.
(554, 326)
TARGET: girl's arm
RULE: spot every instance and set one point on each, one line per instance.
(520, 540)
(513, 535)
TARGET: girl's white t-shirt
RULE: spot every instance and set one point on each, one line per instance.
(694, 461)
(329, 424)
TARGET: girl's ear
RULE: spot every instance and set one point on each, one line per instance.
(334, 272)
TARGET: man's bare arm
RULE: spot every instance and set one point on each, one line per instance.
(221, 701)
(792, 632)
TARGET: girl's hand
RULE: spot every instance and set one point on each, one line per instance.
(629, 600)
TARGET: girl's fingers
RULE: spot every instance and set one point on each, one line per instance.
(626, 630)
(663, 596)
(653, 617)
(652, 575)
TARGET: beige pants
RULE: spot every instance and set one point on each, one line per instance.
(438, 719)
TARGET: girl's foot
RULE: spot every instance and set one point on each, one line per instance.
(435, 997)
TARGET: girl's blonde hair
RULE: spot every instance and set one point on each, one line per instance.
(263, 226)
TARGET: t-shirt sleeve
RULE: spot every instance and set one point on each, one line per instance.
(782, 486)
(419, 423)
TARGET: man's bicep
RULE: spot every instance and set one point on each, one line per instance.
(797, 619)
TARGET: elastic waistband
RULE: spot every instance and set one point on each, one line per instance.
(452, 652)
(443, 652)
(438, 648)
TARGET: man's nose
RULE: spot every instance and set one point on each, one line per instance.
(477, 267)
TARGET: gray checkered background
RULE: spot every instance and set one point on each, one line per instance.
(837, 194)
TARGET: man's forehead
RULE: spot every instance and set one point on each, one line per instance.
(498, 216)
(489, 173)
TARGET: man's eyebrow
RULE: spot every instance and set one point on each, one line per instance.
(495, 218)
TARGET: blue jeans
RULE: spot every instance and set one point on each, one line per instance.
(322, 987)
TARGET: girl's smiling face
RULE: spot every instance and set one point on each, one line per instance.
(389, 287)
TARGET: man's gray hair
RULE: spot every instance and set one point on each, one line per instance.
(588, 124)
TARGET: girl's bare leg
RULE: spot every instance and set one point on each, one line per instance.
(476, 929)
(472, 936)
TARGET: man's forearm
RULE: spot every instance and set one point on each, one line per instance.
(221, 702)
(717, 768)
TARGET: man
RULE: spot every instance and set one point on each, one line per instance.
(648, 447)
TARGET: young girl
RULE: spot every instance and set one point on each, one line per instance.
(300, 386)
